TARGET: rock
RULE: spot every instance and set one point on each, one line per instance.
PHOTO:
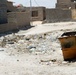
(17, 60)
(10, 42)
(3, 42)
(27, 38)
(2, 49)
(32, 50)
(53, 60)
(48, 60)
(64, 62)
(35, 36)
(21, 41)
(47, 63)
(30, 47)
(40, 36)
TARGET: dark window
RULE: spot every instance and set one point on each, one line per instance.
(34, 13)
(8, 11)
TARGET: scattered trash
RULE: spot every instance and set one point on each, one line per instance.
(52, 60)
(17, 60)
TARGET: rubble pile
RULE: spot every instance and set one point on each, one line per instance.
(38, 43)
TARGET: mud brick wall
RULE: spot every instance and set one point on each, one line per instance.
(16, 20)
(20, 18)
(58, 15)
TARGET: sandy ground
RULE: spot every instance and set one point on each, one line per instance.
(29, 64)
(32, 64)
(48, 27)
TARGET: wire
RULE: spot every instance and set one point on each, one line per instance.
(36, 2)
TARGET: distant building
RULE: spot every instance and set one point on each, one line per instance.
(37, 13)
(65, 11)
(66, 4)
(3, 11)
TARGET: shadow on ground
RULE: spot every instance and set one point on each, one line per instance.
(70, 60)
(15, 30)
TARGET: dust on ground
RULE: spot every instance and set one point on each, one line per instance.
(36, 51)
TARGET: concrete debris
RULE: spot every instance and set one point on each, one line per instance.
(32, 43)
(64, 62)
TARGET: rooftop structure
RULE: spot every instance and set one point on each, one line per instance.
(66, 4)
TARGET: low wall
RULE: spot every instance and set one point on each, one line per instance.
(16, 20)
(58, 15)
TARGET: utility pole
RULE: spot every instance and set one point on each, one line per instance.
(30, 10)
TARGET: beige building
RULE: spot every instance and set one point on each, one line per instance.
(37, 13)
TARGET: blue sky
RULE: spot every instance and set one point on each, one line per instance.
(46, 3)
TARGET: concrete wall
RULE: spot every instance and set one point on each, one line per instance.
(41, 13)
(16, 20)
(3, 12)
(57, 15)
